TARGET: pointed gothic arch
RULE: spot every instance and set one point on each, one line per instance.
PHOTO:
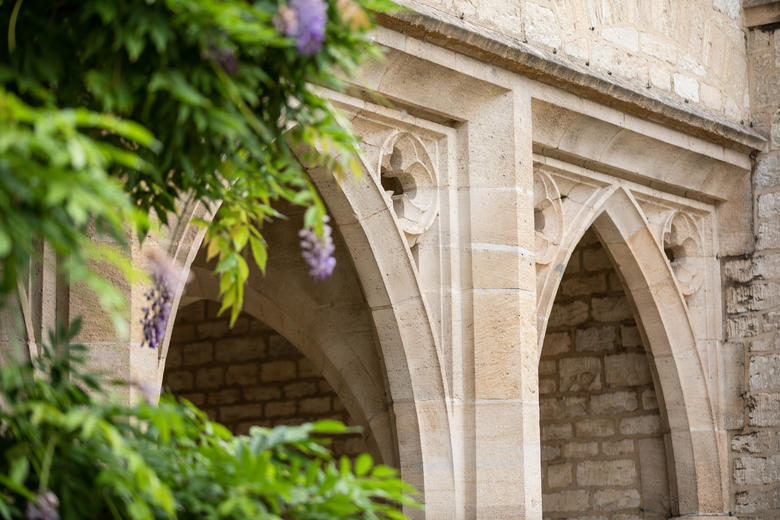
(389, 281)
(698, 470)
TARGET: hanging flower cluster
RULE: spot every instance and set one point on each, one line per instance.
(305, 21)
(45, 507)
(318, 251)
(166, 276)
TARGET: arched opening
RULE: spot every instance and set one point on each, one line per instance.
(604, 437)
(294, 332)
(388, 373)
(696, 443)
(249, 375)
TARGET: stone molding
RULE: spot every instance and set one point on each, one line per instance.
(433, 26)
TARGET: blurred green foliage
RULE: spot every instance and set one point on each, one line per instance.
(67, 448)
(112, 111)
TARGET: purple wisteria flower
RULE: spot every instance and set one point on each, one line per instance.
(225, 58)
(166, 276)
(44, 507)
(318, 251)
(305, 21)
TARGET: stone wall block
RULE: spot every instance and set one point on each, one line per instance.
(595, 339)
(595, 428)
(611, 308)
(239, 349)
(641, 425)
(615, 448)
(278, 371)
(565, 501)
(570, 314)
(607, 404)
(577, 450)
(210, 378)
(764, 372)
(194, 354)
(578, 374)
(556, 343)
(613, 499)
(764, 410)
(620, 472)
(559, 475)
(626, 370)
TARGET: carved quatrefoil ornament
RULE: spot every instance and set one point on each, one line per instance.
(409, 180)
(682, 245)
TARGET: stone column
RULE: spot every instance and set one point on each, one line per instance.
(506, 411)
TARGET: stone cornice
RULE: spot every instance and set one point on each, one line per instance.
(487, 46)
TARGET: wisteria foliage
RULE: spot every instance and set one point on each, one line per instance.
(210, 102)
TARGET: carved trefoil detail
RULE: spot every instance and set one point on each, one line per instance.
(410, 182)
(682, 245)
(548, 217)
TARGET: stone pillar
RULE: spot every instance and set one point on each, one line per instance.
(115, 352)
(506, 413)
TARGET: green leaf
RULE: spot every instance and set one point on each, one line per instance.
(259, 252)
(363, 464)
(19, 470)
(5, 243)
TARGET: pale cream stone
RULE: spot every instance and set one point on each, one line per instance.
(540, 25)
(687, 87)
(627, 37)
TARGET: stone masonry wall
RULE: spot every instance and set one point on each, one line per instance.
(603, 454)
(248, 375)
(752, 294)
(692, 51)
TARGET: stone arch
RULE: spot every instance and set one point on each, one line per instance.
(697, 469)
(409, 349)
(363, 400)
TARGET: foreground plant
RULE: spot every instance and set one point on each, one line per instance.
(67, 450)
(115, 110)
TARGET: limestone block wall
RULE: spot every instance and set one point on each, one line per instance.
(692, 51)
(248, 375)
(752, 294)
(603, 453)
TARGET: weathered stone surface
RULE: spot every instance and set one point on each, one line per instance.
(606, 473)
(557, 343)
(764, 372)
(559, 475)
(565, 501)
(570, 314)
(626, 370)
(611, 309)
(752, 470)
(612, 499)
(595, 339)
(607, 404)
(579, 449)
(764, 410)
